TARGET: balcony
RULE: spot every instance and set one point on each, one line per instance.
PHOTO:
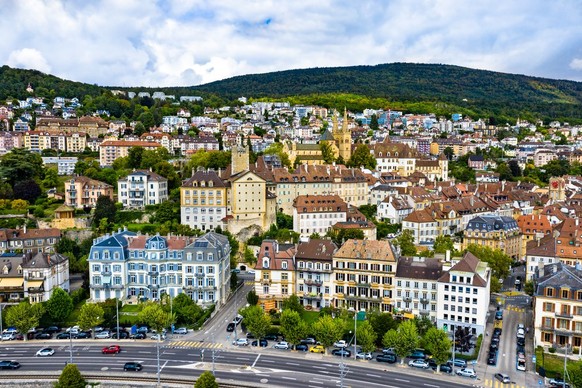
(407, 299)
(313, 282)
(424, 301)
(265, 282)
(96, 286)
(153, 273)
(424, 312)
(189, 287)
(106, 273)
(117, 286)
(358, 297)
(564, 315)
(34, 277)
(565, 332)
(199, 274)
(364, 285)
(312, 295)
(153, 286)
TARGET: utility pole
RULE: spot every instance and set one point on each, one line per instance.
(70, 347)
(355, 337)
(158, 352)
(343, 371)
(214, 357)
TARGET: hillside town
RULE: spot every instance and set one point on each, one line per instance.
(418, 216)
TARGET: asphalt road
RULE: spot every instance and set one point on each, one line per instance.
(263, 368)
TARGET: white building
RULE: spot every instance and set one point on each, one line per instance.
(313, 261)
(43, 273)
(141, 188)
(395, 208)
(65, 165)
(463, 295)
(317, 213)
(416, 286)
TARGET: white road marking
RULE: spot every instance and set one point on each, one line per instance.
(318, 367)
(256, 359)
(431, 385)
(242, 358)
(404, 381)
(288, 378)
(292, 363)
(371, 375)
(316, 382)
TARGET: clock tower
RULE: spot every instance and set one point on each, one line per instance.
(557, 189)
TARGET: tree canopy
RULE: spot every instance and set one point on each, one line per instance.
(71, 378)
(60, 305)
(362, 157)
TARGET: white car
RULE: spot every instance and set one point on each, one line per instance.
(241, 342)
(73, 330)
(158, 337)
(465, 372)
(45, 352)
(181, 330)
(8, 336)
(419, 364)
(251, 271)
(364, 356)
(281, 345)
(104, 334)
(340, 344)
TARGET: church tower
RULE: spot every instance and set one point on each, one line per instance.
(343, 136)
(239, 160)
(557, 189)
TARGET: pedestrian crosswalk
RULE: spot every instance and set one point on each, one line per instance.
(249, 282)
(515, 308)
(498, 384)
(193, 344)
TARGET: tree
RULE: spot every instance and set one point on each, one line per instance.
(443, 243)
(249, 256)
(293, 303)
(19, 204)
(423, 325)
(27, 189)
(24, 316)
(256, 321)
(90, 316)
(437, 342)
(71, 378)
(21, 164)
(326, 152)
(498, 261)
(206, 380)
(406, 243)
(277, 149)
(252, 298)
(404, 339)
(139, 129)
(284, 221)
(134, 157)
(51, 178)
(449, 152)
(186, 311)
(514, 167)
(104, 208)
(165, 212)
(374, 122)
(504, 172)
(342, 235)
(528, 288)
(59, 305)
(366, 337)
(328, 330)
(575, 373)
(155, 317)
(381, 323)
(362, 158)
(293, 326)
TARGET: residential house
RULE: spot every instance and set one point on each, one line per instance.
(317, 213)
(274, 274)
(416, 287)
(29, 240)
(495, 232)
(476, 162)
(82, 191)
(203, 200)
(141, 188)
(43, 273)
(532, 227)
(314, 276)
(463, 293)
(112, 149)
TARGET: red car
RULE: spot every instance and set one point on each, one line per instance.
(113, 349)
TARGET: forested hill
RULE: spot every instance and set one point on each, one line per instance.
(420, 88)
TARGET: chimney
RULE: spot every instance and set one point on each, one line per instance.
(541, 269)
(25, 227)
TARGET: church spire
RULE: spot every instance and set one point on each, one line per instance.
(345, 122)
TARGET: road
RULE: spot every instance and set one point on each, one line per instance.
(258, 367)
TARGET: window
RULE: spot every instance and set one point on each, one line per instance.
(284, 265)
(565, 294)
(549, 291)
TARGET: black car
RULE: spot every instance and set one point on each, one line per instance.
(497, 331)
(520, 349)
(51, 330)
(263, 343)
(301, 348)
(9, 365)
(138, 336)
(389, 358)
(492, 358)
(135, 366)
(521, 342)
(446, 368)
(84, 335)
(230, 327)
(250, 336)
(63, 336)
(272, 337)
(41, 336)
(122, 335)
(341, 352)
(493, 347)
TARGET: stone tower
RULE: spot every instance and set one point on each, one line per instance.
(343, 136)
(239, 159)
(557, 189)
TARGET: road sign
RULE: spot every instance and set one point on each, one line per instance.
(540, 382)
(361, 316)
(533, 359)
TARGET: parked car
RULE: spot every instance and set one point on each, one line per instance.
(241, 342)
(308, 341)
(271, 337)
(417, 355)
(122, 335)
(503, 378)
(363, 356)
(263, 343)
(497, 331)
(63, 336)
(9, 365)
(161, 337)
(418, 363)
(388, 357)
(103, 334)
(458, 363)
(521, 342)
(181, 330)
(73, 330)
(388, 351)
(301, 347)
(250, 335)
(445, 368)
(84, 335)
(52, 329)
(236, 270)
(465, 372)
(43, 336)
(8, 336)
(251, 271)
(10, 330)
(317, 349)
(134, 366)
(138, 336)
(143, 329)
(230, 327)
(281, 345)
(112, 349)
(340, 344)
(499, 315)
(45, 352)
(238, 319)
(341, 352)
(492, 358)
(520, 326)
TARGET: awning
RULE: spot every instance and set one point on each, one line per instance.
(11, 282)
(408, 315)
(35, 283)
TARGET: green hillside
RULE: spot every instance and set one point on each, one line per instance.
(421, 88)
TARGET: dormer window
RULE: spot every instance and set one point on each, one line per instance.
(265, 263)
(5, 270)
(284, 265)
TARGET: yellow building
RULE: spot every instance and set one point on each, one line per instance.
(495, 232)
(274, 274)
(203, 200)
(76, 142)
(364, 273)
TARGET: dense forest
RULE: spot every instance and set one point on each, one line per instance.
(420, 88)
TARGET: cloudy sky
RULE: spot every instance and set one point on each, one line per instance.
(189, 42)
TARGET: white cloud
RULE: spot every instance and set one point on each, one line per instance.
(28, 58)
(576, 64)
(182, 42)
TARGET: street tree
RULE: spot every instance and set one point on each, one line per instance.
(443, 243)
(185, 309)
(71, 377)
(293, 327)
(206, 380)
(438, 344)
(366, 337)
(256, 320)
(60, 305)
(90, 316)
(24, 316)
(328, 330)
(153, 315)
(381, 323)
(404, 339)
(252, 298)
(406, 243)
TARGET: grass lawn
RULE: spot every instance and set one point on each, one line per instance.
(310, 316)
(131, 308)
(74, 316)
(552, 363)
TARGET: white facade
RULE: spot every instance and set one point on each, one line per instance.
(141, 188)
(319, 222)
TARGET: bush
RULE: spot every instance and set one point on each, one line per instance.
(79, 295)
(198, 324)
(552, 350)
(71, 378)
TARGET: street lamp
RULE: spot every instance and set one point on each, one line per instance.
(117, 315)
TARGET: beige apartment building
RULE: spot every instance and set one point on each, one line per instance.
(82, 191)
(364, 274)
(314, 276)
(112, 149)
(274, 274)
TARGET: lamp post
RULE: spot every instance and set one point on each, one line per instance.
(158, 355)
(355, 337)
(117, 315)
(70, 347)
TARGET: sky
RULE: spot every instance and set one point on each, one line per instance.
(189, 42)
